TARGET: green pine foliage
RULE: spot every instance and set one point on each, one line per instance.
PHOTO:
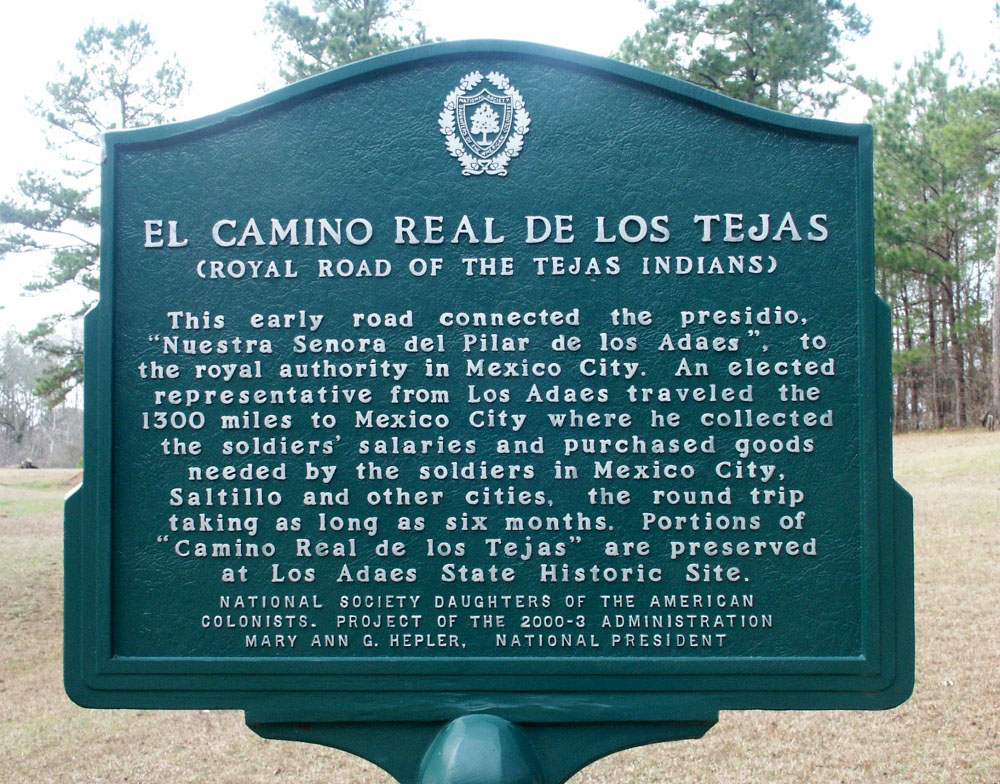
(339, 32)
(781, 54)
(117, 80)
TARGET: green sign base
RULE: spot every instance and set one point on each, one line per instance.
(481, 748)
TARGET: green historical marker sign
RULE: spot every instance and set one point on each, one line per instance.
(492, 384)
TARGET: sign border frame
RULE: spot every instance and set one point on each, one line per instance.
(553, 692)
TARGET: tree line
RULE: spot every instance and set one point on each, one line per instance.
(31, 432)
(937, 154)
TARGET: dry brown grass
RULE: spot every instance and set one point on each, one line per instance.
(947, 732)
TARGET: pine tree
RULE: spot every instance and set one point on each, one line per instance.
(116, 81)
(782, 54)
(339, 32)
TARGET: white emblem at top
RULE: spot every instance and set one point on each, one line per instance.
(491, 124)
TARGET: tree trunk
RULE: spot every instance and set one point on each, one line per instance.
(957, 351)
(898, 378)
(995, 376)
(932, 339)
(913, 410)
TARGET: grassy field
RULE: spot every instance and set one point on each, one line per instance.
(949, 731)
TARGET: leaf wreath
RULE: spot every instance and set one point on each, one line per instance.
(472, 164)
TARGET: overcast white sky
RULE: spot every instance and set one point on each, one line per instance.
(227, 54)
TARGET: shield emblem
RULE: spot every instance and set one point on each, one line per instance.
(484, 121)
